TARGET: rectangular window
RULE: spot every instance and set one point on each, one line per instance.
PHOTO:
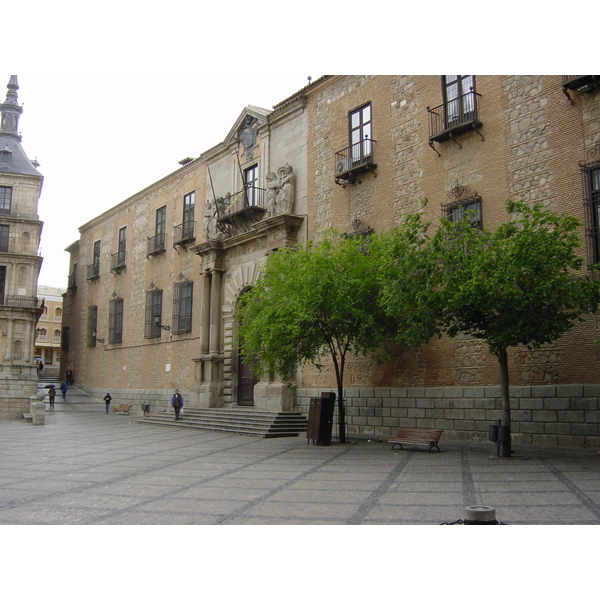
(189, 202)
(94, 268)
(251, 185)
(122, 247)
(115, 321)
(92, 326)
(153, 319)
(360, 134)
(5, 199)
(591, 176)
(160, 228)
(4, 233)
(459, 98)
(182, 307)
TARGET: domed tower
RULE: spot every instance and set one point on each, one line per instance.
(20, 231)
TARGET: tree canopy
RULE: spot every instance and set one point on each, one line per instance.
(314, 301)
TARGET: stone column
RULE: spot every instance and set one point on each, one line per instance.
(205, 312)
(215, 312)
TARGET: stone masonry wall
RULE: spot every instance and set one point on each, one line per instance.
(548, 415)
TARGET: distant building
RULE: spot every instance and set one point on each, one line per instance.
(20, 231)
(49, 329)
(155, 281)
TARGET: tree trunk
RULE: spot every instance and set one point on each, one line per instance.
(505, 446)
(339, 377)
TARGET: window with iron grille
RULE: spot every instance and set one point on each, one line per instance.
(470, 209)
(153, 319)
(5, 199)
(92, 326)
(182, 307)
(591, 181)
(115, 321)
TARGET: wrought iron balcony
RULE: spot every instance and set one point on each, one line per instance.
(580, 83)
(117, 261)
(72, 281)
(93, 271)
(453, 118)
(184, 233)
(354, 160)
(242, 208)
(156, 244)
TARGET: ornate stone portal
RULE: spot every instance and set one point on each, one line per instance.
(231, 266)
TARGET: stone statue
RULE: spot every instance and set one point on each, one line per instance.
(272, 192)
(248, 135)
(209, 220)
(286, 196)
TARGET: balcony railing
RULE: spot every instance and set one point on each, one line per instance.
(580, 83)
(93, 271)
(246, 206)
(72, 281)
(156, 244)
(117, 261)
(184, 233)
(453, 118)
(355, 159)
(18, 301)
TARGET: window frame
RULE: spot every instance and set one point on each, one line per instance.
(154, 301)
(92, 325)
(591, 185)
(461, 106)
(183, 302)
(6, 195)
(360, 133)
(115, 321)
(4, 238)
(251, 185)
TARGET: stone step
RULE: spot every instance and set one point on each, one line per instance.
(241, 421)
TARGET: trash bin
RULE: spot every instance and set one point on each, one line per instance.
(320, 419)
(145, 407)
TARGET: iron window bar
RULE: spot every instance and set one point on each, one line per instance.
(156, 244)
(117, 261)
(249, 204)
(184, 233)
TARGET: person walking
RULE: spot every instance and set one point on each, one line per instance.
(107, 400)
(52, 395)
(177, 403)
(63, 389)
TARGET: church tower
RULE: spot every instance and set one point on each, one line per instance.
(20, 232)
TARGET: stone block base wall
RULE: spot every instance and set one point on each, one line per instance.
(15, 396)
(550, 415)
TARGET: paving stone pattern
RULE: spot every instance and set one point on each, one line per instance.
(86, 467)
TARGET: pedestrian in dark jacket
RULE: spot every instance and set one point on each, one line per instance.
(52, 395)
(177, 403)
(63, 389)
(107, 400)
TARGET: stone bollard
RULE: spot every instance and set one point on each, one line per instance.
(37, 410)
(480, 515)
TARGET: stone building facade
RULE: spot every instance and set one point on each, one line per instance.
(356, 153)
(48, 333)
(20, 231)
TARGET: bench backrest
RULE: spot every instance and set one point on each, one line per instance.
(432, 434)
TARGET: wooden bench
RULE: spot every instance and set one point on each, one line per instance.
(428, 437)
(123, 409)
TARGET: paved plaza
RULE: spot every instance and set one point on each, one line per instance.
(88, 468)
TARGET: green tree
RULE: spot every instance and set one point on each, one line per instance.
(520, 284)
(311, 302)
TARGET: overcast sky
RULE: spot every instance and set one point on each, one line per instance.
(116, 93)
